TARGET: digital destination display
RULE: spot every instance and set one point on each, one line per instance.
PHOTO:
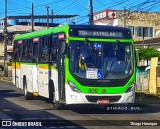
(95, 33)
(101, 32)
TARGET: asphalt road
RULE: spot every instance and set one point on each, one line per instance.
(14, 109)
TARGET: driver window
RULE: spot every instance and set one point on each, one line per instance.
(44, 49)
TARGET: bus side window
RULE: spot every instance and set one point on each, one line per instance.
(25, 51)
(35, 51)
(18, 52)
(40, 49)
(15, 50)
(53, 49)
(30, 49)
(44, 50)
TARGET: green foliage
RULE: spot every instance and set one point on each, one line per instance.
(147, 53)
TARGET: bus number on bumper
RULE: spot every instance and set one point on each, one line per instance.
(103, 101)
(93, 90)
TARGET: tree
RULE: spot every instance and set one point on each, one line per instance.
(147, 53)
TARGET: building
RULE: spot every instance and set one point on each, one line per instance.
(144, 25)
(154, 42)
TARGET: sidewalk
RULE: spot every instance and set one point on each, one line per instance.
(6, 78)
(9, 78)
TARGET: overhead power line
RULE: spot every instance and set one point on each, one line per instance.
(66, 7)
(82, 5)
(19, 5)
(28, 8)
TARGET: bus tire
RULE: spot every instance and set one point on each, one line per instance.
(27, 95)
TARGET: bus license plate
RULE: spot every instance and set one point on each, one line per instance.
(103, 101)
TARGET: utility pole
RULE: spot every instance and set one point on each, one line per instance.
(5, 42)
(47, 16)
(91, 13)
(124, 17)
(32, 18)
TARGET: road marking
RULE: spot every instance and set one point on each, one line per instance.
(6, 110)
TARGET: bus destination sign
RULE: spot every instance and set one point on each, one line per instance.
(93, 33)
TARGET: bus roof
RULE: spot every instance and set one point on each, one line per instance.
(57, 29)
(65, 28)
(100, 27)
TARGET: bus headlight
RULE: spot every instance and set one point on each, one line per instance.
(131, 88)
(73, 87)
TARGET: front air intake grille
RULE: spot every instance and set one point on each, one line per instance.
(111, 98)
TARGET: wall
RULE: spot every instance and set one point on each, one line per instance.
(142, 79)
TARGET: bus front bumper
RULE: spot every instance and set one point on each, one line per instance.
(81, 98)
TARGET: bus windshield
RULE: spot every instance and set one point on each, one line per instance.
(101, 60)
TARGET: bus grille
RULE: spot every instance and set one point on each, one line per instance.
(95, 98)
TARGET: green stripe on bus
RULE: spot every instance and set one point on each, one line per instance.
(102, 40)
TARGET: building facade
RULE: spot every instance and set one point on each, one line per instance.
(144, 25)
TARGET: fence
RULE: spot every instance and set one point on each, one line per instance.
(142, 79)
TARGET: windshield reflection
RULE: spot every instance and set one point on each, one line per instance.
(100, 60)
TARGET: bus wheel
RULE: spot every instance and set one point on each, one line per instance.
(27, 95)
